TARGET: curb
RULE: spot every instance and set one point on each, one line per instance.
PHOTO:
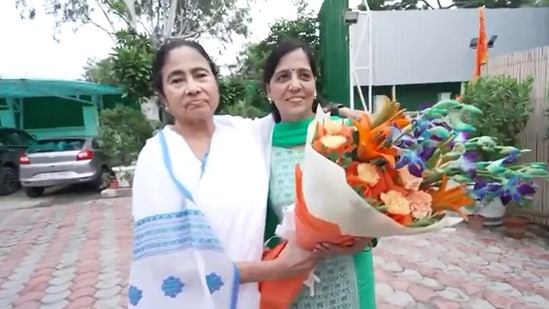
(114, 193)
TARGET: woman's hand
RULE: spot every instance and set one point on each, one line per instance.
(346, 112)
(294, 261)
(328, 249)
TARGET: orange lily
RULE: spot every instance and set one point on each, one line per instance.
(371, 140)
(345, 132)
(384, 184)
(453, 199)
(404, 220)
(401, 121)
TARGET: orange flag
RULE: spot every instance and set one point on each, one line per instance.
(482, 44)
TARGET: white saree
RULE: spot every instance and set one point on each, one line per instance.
(195, 218)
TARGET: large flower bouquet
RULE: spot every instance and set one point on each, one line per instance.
(387, 174)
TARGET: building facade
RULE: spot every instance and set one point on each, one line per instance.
(422, 54)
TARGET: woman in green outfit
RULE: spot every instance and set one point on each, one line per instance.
(346, 274)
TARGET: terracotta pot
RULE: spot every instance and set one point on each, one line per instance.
(515, 226)
(113, 184)
(476, 222)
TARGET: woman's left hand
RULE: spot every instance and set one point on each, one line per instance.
(328, 249)
(346, 112)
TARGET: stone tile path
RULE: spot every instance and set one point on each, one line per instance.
(69, 256)
(463, 269)
(76, 256)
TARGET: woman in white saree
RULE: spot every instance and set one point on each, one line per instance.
(199, 199)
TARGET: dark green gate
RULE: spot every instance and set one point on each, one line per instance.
(334, 51)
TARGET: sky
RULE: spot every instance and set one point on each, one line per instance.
(29, 51)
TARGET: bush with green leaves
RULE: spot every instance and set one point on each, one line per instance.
(235, 91)
(242, 109)
(123, 131)
(505, 104)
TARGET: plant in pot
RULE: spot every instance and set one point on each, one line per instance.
(123, 131)
(475, 220)
(506, 107)
(501, 179)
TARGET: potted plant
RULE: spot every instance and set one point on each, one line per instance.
(506, 107)
(515, 226)
(500, 179)
(123, 131)
(476, 221)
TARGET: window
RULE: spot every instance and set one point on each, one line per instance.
(56, 145)
(15, 138)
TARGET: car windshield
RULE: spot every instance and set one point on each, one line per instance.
(15, 138)
(56, 145)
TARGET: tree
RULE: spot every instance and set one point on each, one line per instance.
(157, 19)
(304, 28)
(131, 63)
(99, 71)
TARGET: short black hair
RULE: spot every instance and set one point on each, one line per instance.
(282, 48)
(162, 53)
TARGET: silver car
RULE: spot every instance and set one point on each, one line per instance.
(63, 161)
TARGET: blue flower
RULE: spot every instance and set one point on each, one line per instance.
(511, 155)
(134, 295)
(467, 161)
(214, 282)
(515, 190)
(172, 286)
(415, 164)
(486, 190)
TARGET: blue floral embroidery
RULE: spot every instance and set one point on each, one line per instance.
(172, 286)
(214, 282)
(134, 295)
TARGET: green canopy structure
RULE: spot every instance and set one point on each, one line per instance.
(49, 108)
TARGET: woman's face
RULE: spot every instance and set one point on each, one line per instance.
(189, 85)
(292, 87)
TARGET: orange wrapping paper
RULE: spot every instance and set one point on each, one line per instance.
(309, 232)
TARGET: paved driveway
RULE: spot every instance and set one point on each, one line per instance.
(76, 256)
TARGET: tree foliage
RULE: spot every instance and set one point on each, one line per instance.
(304, 28)
(132, 63)
(158, 19)
(99, 71)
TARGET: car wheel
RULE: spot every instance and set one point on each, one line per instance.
(34, 191)
(9, 183)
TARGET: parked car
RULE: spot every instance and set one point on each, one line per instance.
(63, 161)
(12, 143)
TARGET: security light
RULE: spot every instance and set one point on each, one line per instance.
(351, 17)
(492, 40)
(474, 42)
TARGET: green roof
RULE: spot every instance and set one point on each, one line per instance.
(27, 88)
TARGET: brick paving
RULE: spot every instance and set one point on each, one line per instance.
(66, 256)
(76, 256)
